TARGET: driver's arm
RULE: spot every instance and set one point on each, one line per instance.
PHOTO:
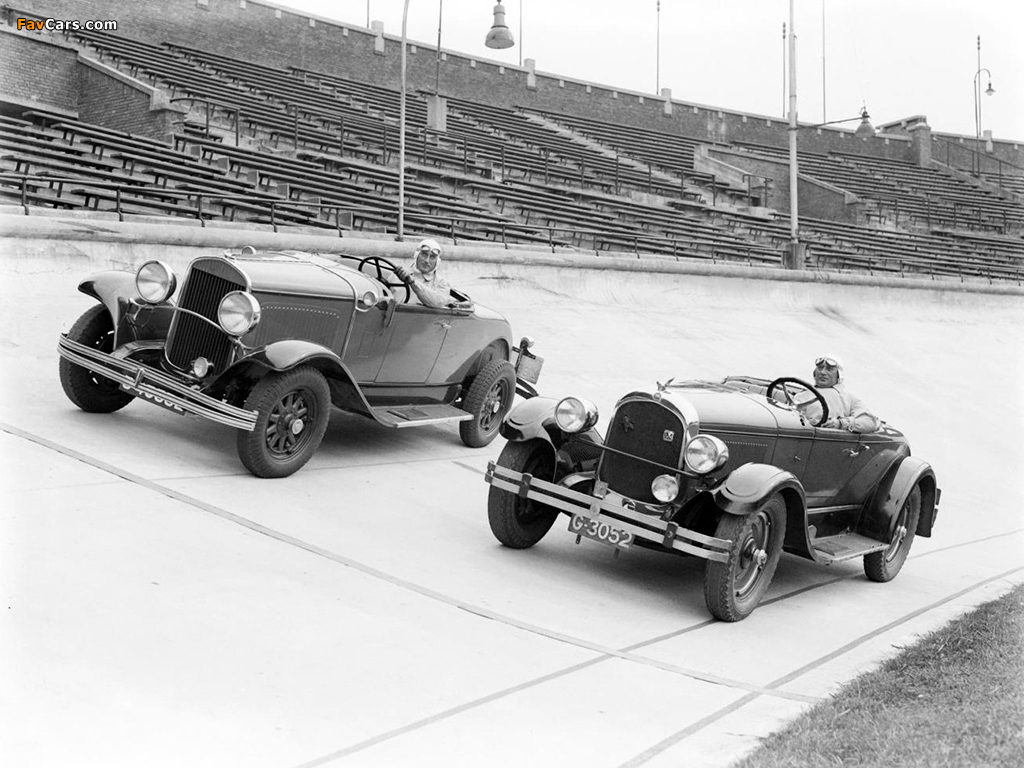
(436, 295)
(860, 418)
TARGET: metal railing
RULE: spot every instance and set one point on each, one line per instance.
(343, 219)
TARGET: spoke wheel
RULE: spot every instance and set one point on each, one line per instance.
(86, 389)
(733, 589)
(488, 399)
(517, 522)
(883, 566)
(294, 409)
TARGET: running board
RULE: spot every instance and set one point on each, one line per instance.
(401, 416)
(845, 546)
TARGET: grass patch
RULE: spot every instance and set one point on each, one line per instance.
(953, 699)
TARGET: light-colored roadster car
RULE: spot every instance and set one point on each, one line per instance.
(267, 342)
(731, 472)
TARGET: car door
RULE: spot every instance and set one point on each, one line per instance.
(416, 336)
(836, 458)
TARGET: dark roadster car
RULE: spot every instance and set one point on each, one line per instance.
(731, 472)
(267, 342)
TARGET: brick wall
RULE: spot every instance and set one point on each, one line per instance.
(36, 72)
(109, 99)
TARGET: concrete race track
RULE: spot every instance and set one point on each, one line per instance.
(161, 607)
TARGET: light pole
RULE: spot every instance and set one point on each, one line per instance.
(794, 220)
(401, 128)
(498, 37)
(977, 108)
(657, 50)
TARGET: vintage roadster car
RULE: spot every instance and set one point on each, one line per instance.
(267, 342)
(732, 472)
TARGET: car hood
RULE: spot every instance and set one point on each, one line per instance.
(304, 274)
(720, 407)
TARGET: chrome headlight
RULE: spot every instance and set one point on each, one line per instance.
(155, 282)
(367, 300)
(705, 453)
(238, 313)
(575, 415)
(665, 487)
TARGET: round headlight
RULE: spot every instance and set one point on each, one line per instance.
(705, 453)
(575, 415)
(367, 300)
(665, 487)
(155, 282)
(238, 313)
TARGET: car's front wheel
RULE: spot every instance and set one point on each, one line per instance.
(516, 521)
(883, 566)
(90, 391)
(488, 399)
(733, 589)
(293, 410)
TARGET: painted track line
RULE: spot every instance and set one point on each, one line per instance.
(604, 653)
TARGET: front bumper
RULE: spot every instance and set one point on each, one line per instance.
(156, 386)
(612, 507)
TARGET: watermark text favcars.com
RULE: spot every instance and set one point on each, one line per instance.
(61, 25)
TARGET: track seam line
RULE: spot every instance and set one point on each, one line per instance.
(699, 725)
(753, 692)
(395, 581)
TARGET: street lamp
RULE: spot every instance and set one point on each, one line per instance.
(499, 35)
(495, 39)
(977, 107)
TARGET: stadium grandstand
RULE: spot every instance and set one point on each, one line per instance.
(228, 111)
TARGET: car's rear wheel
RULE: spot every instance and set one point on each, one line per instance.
(488, 399)
(733, 589)
(90, 391)
(519, 522)
(883, 566)
(293, 410)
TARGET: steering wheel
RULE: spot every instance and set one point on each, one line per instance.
(380, 266)
(791, 401)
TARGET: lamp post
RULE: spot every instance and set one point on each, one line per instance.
(794, 220)
(498, 37)
(657, 50)
(977, 108)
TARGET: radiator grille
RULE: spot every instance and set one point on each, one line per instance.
(641, 429)
(189, 337)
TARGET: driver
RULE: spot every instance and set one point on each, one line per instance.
(430, 288)
(845, 410)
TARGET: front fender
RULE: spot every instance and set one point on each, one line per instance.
(112, 289)
(748, 487)
(287, 354)
(533, 418)
(881, 514)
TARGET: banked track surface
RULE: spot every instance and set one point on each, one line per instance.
(445, 648)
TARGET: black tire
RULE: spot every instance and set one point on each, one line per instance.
(295, 400)
(488, 399)
(883, 566)
(90, 391)
(733, 589)
(516, 522)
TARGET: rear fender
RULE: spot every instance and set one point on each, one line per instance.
(749, 487)
(881, 514)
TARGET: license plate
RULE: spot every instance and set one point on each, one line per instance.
(601, 531)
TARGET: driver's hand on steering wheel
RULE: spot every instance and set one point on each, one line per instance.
(403, 275)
